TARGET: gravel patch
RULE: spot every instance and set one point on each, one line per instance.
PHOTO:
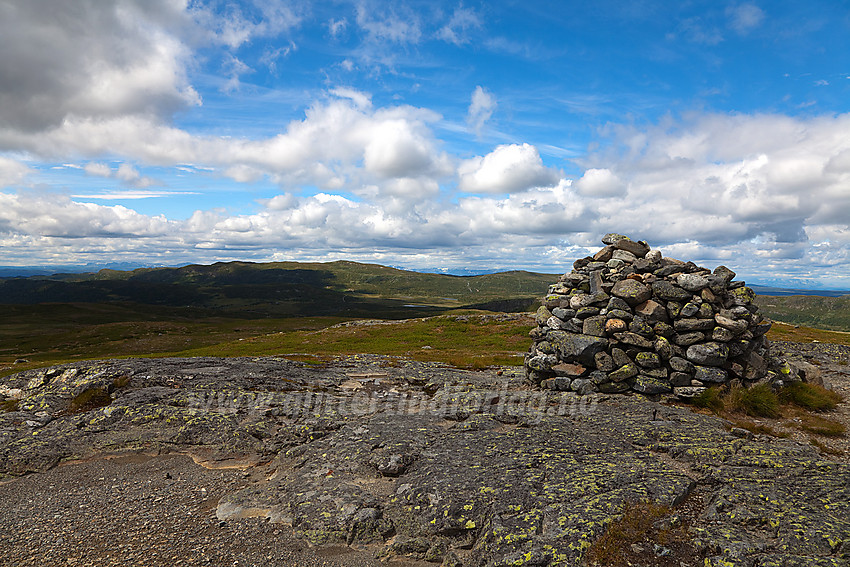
(144, 510)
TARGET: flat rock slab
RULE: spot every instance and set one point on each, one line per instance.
(423, 464)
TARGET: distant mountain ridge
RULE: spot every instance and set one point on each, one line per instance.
(348, 289)
(282, 288)
(781, 291)
(64, 271)
(28, 271)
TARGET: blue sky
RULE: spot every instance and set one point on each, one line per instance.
(461, 135)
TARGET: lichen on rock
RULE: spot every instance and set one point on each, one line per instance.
(480, 471)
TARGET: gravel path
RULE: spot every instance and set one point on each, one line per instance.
(141, 510)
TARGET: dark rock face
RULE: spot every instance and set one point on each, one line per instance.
(425, 462)
(654, 312)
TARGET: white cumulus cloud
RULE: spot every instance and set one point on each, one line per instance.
(600, 183)
(771, 188)
(360, 99)
(395, 150)
(508, 168)
(56, 217)
(341, 139)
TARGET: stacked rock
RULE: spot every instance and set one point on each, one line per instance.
(629, 319)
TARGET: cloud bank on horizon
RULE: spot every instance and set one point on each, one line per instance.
(426, 134)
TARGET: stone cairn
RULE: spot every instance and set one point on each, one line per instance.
(629, 319)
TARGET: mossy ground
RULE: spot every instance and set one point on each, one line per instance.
(90, 399)
(88, 331)
(821, 426)
(461, 340)
(637, 528)
(802, 334)
(44, 335)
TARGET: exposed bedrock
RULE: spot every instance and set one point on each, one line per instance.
(423, 462)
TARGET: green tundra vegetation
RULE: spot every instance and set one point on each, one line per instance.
(464, 339)
(240, 308)
(831, 313)
(294, 309)
(281, 289)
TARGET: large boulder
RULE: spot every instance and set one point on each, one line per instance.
(573, 346)
(633, 292)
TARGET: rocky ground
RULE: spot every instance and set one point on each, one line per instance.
(377, 460)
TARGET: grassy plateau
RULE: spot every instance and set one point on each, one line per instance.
(296, 309)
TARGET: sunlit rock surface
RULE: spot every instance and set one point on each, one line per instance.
(423, 462)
